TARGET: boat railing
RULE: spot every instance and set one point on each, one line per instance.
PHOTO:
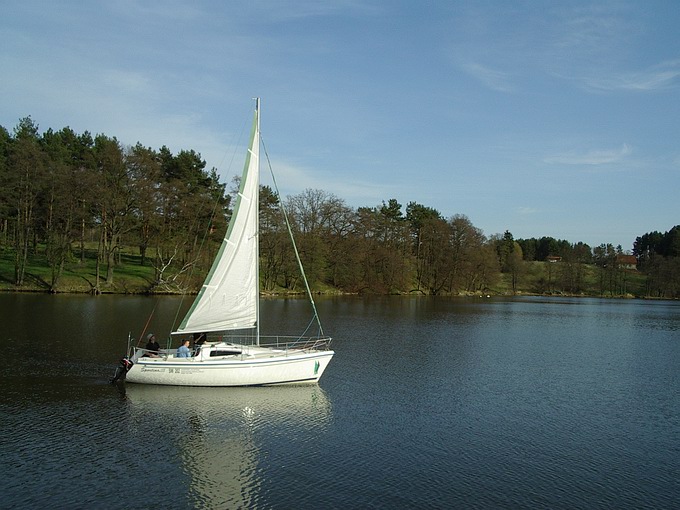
(143, 352)
(296, 343)
(289, 344)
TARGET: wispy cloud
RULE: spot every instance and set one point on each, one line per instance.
(525, 211)
(592, 30)
(356, 191)
(491, 78)
(598, 47)
(298, 9)
(662, 76)
(592, 157)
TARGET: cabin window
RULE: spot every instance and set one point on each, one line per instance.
(223, 353)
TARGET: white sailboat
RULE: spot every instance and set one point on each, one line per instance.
(227, 312)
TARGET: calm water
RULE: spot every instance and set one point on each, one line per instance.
(428, 403)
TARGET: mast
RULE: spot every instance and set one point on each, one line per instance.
(257, 216)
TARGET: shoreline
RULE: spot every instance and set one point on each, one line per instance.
(301, 294)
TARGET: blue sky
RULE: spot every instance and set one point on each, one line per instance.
(542, 118)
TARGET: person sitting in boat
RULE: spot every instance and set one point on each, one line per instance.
(152, 346)
(200, 338)
(183, 350)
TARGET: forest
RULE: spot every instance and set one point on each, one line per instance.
(83, 205)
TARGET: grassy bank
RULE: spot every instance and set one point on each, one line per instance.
(131, 277)
(545, 278)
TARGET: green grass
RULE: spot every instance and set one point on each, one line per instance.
(544, 278)
(128, 277)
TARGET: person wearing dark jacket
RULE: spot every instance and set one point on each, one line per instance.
(152, 346)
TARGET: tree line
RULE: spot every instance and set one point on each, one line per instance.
(70, 196)
(60, 192)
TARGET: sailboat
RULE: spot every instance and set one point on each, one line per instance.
(226, 314)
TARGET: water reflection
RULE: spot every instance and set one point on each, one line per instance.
(219, 433)
(438, 403)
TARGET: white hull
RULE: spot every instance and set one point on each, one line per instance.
(259, 367)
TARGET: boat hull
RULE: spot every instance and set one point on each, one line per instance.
(275, 369)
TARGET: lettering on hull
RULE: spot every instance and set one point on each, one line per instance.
(173, 370)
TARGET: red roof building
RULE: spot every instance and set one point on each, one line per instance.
(626, 261)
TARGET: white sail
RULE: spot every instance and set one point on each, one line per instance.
(228, 299)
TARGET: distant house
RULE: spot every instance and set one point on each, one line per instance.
(626, 261)
(553, 258)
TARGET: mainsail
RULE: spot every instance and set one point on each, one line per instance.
(228, 299)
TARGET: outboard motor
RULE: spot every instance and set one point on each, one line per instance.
(123, 368)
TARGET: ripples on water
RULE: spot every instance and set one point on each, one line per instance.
(524, 403)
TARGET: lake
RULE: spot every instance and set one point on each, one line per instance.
(428, 403)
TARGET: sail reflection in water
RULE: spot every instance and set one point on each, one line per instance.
(220, 447)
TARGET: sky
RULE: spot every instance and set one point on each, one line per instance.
(541, 118)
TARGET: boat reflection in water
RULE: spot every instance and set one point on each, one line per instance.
(219, 433)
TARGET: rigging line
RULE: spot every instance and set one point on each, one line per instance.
(302, 336)
(290, 233)
(147, 324)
